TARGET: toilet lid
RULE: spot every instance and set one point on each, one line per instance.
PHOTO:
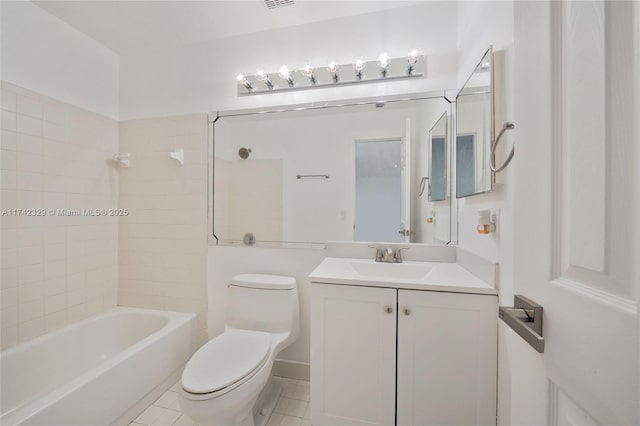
(225, 360)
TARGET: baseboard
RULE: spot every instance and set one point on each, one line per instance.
(292, 369)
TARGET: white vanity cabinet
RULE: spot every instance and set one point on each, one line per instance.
(392, 356)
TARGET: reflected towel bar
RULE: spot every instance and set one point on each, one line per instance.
(312, 176)
(525, 318)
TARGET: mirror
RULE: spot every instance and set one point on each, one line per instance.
(438, 160)
(474, 131)
(349, 172)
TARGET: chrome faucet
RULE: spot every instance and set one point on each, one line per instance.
(388, 254)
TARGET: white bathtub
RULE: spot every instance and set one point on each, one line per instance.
(100, 371)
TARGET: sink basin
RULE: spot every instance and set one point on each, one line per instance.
(402, 271)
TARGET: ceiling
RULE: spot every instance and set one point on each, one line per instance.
(126, 26)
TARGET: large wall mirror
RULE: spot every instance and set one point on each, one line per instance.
(345, 172)
(474, 130)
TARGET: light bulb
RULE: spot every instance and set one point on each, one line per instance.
(412, 57)
(243, 80)
(286, 74)
(383, 60)
(265, 78)
(412, 60)
(358, 66)
(308, 71)
(333, 69)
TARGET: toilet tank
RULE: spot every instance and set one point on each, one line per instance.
(264, 303)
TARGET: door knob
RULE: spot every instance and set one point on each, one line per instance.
(388, 309)
(406, 311)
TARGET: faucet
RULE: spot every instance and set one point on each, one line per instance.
(388, 254)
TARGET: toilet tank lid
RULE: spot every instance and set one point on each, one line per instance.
(264, 281)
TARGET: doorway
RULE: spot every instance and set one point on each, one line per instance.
(378, 194)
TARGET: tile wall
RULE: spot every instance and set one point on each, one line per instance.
(56, 267)
(163, 241)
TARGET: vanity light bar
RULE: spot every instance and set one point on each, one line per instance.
(333, 74)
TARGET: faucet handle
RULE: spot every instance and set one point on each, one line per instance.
(398, 254)
(379, 252)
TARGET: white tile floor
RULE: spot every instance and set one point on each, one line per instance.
(292, 408)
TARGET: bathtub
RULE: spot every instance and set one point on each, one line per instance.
(100, 371)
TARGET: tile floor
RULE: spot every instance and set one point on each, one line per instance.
(292, 408)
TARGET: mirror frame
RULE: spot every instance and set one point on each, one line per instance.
(492, 175)
(213, 117)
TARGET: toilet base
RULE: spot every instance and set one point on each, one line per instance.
(266, 402)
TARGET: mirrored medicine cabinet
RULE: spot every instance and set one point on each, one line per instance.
(375, 170)
(475, 130)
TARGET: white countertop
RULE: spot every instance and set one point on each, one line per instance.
(439, 276)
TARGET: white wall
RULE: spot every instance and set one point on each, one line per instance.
(44, 54)
(480, 24)
(201, 77)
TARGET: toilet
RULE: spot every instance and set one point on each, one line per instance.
(223, 379)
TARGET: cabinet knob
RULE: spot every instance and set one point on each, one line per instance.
(388, 309)
(406, 311)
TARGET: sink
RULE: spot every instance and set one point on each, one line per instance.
(403, 271)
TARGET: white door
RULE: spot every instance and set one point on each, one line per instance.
(380, 190)
(353, 355)
(447, 356)
(577, 213)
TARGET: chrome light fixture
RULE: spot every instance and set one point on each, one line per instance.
(265, 79)
(333, 70)
(286, 75)
(243, 80)
(412, 65)
(383, 63)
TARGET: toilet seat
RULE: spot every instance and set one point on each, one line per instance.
(225, 362)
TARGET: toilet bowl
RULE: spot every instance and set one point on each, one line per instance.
(223, 379)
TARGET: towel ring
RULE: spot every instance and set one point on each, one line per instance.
(492, 159)
(423, 183)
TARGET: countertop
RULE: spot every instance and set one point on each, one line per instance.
(442, 276)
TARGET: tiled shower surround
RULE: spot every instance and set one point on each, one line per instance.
(60, 268)
(57, 267)
(163, 241)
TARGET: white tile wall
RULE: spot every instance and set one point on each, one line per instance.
(55, 269)
(163, 241)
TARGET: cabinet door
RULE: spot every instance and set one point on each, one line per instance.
(353, 355)
(447, 355)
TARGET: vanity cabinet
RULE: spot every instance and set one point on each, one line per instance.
(387, 356)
